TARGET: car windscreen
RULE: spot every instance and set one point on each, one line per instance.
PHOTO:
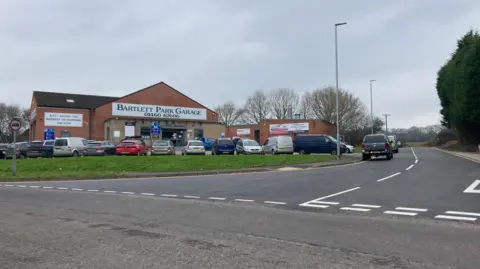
(195, 144)
(160, 143)
(334, 140)
(95, 144)
(49, 143)
(250, 143)
(127, 143)
(36, 143)
(374, 139)
(225, 142)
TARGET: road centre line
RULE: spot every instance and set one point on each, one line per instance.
(325, 202)
(191, 197)
(364, 205)
(454, 218)
(414, 155)
(21, 186)
(127, 192)
(411, 209)
(46, 187)
(92, 190)
(9, 185)
(169, 195)
(463, 213)
(313, 205)
(244, 200)
(35, 187)
(355, 209)
(331, 195)
(147, 194)
(110, 191)
(274, 203)
(416, 161)
(62, 188)
(217, 198)
(75, 189)
(410, 167)
(390, 176)
(392, 212)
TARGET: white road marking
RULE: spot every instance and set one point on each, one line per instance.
(355, 209)
(75, 189)
(147, 194)
(127, 192)
(415, 155)
(410, 167)
(364, 205)
(110, 191)
(45, 187)
(191, 197)
(470, 189)
(21, 186)
(400, 213)
(61, 188)
(316, 206)
(169, 195)
(463, 213)
(9, 185)
(331, 195)
(390, 176)
(92, 190)
(35, 187)
(454, 218)
(274, 203)
(244, 200)
(325, 202)
(216, 198)
(416, 161)
(411, 209)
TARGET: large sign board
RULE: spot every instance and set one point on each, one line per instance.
(245, 131)
(153, 111)
(63, 119)
(286, 128)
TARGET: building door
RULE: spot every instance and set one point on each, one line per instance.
(256, 135)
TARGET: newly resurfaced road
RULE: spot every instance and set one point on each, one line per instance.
(419, 210)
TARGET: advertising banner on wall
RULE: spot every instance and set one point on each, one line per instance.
(286, 128)
(152, 111)
(245, 131)
(63, 119)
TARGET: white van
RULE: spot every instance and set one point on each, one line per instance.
(278, 145)
(69, 146)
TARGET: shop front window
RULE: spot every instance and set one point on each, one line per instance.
(145, 132)
(198, 134)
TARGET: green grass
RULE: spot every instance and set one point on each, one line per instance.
(117, 166)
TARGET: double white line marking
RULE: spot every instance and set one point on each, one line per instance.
(462, 214)
(404, 211)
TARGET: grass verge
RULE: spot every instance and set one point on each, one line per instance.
(117, 166)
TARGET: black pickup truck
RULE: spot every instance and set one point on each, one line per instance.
(376, 145)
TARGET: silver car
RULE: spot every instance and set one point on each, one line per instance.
(162, 147)
(69, 147)
(194, 147)
(282, 144)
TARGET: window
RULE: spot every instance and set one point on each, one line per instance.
(61, 143)
(195, 143)
(161, 143)
(198, 133)
(374, 139)
(65, 134)
(250, 143)
(225, 142)
(145, 132)
(49, 143)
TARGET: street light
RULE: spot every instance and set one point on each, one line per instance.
(371, 102)
(386, 123)
(336, 83)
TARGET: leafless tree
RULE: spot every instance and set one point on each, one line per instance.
(305, 110)
(280, 100)
(7, 113)
(257, 107)
(229, 113)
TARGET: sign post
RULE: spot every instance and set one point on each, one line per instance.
(15, 125)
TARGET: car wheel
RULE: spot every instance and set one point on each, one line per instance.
(302, 152)
(75, 154)
(389, 157)
(333, 152)
(365, 157)
(235, 152)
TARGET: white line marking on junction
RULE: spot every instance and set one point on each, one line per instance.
(355, 209)
(127, 192)
(390, 176)
(411, 209)
(147, 194)
(400, 213)
(169, 195)
(325, 202)
(414, 155)
(463, 213)
(46, 187)
(110, 191)
(75, 189)
(470, 189)
(35, 187)
(454, 218)
(274, 203)
(62, 188)
(92, 190)
(315, 206)
(364, 205)
(217, 198)
(335, 194)
(244, 200)
(191, 197)
(9, 185)
(416, 161)
(21, 186)
(410, 167)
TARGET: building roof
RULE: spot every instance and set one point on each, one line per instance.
(69, 100)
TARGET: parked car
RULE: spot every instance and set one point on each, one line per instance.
(248, 146)
(100, 148)
(393, 142)
(69, 147)
(136, 137)
(47, 149)
(35, 149)
(278, 145)
(131, 147)
(3, 150)
(193, 147)
(208, 143)
(349, 149)
(223, 146)
(376, 145)
(314, 143)
(20, 150)
(162, 147)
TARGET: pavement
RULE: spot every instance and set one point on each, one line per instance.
(419, 210)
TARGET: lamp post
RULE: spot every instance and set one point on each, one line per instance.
(371, 102)
(336, 85)
(386, 123)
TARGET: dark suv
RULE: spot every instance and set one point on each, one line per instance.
(376, 145)
(223, 146)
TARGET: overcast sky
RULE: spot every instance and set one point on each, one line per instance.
(220, 50)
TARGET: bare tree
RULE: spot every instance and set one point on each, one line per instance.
(280, 100)
(229, 113)
(353, 113)
(305, 110)
(7, 113)
(257, 107)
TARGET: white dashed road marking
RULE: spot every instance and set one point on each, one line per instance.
(274, 203)
(244, 200)
(326, 202)
(35, 187)
(217, 198)
(455, 218)
(414, 155)
(75, 189)
(147, 194)
(127, 192)
(412, 209)
(169, 195)
(9, 185)
(355, 209)
(110, 191)
(364, 205)
(46, 187)
(410, 167)
(61, 188)
(463, 213)
(400, 213)
(191, 197)
(92, 190)
(316, 206)
(390, 176)
(21, 186)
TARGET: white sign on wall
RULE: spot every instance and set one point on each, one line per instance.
(299, 127)
(63, 119)
(243, 131)
(152, 111)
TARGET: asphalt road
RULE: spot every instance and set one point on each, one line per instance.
(61, 229)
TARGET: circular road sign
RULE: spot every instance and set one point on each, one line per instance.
(15, 125)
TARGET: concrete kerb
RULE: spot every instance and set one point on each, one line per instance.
(141, 175)
(460, 155)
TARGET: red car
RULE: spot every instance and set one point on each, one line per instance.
(131, 147)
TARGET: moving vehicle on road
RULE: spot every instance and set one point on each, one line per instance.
(100, 148)
(193, 147)
(248, 146)
(223, 146)
(20, 150)
(375, 145)
(162, 147)
(313, 143)
(282, 144)
(393, 142)
(69, 147)
(131, 147)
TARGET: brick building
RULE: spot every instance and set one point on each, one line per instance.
(155, 112)
(260, 132)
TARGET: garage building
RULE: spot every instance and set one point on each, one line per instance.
(155, 112)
